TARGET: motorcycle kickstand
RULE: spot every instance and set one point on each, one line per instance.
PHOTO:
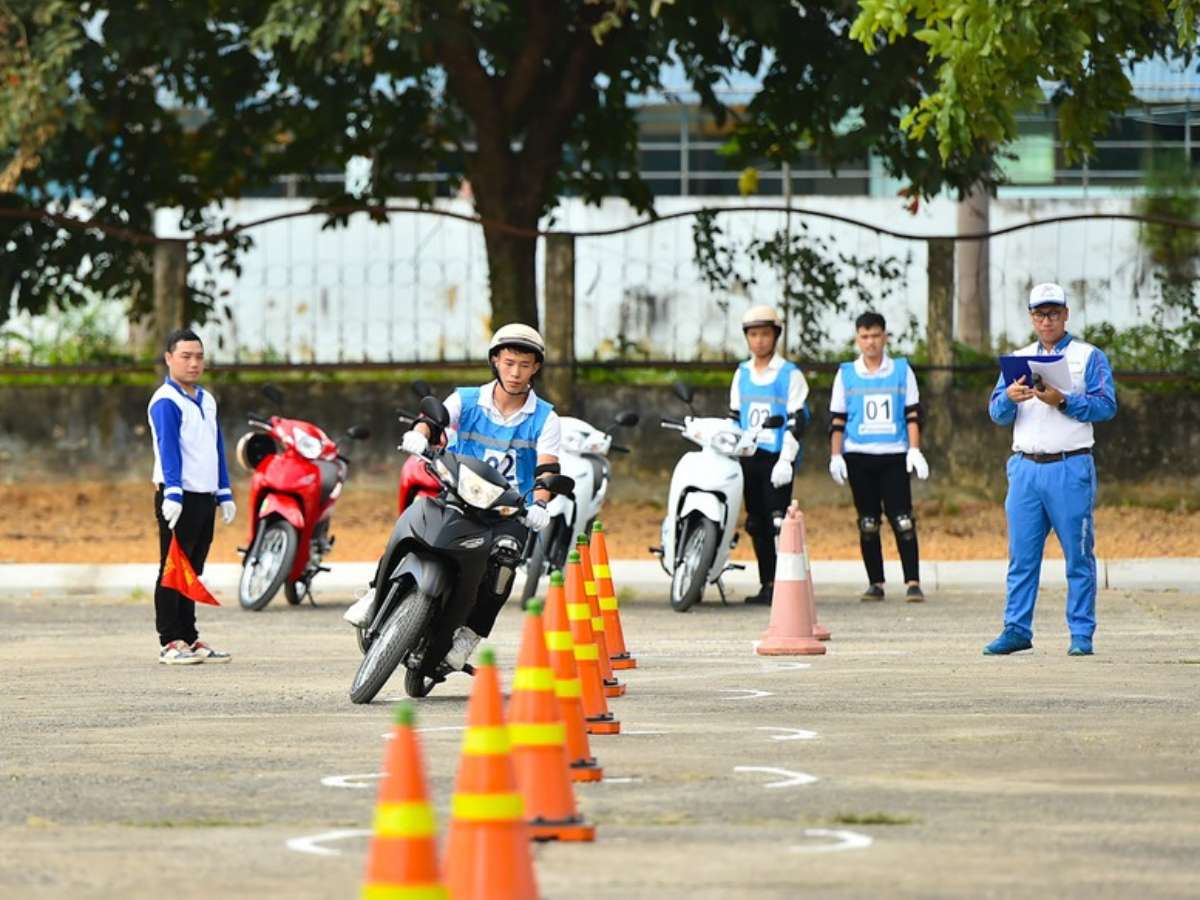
(721, 591)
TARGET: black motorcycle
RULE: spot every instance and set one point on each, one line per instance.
(442, 549)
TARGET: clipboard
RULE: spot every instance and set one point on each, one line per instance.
(1013, 367)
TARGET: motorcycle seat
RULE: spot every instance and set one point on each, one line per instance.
(332, 472)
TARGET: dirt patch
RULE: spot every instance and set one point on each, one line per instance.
(105, 522)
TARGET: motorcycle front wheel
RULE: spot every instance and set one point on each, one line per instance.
(400, 635)
(699, 542)
(534, 567)
(267, 564)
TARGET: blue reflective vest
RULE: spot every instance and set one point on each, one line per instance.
(875, 406)
(511, 449)
(761, 401)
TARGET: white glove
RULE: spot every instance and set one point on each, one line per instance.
(916, 463)
(537, 517)
(782, 473)
(228, 511)
(414, 442)
(171, 511)
(837, 468)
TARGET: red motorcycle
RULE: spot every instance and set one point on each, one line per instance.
(416, 479)
(297, 476)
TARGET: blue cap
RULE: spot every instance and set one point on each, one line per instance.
(1047, 294)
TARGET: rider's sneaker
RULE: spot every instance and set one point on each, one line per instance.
(359, 613)
(465, 642)
(873, 594)
(914, 594)
(178, 653)
(763, 598)
(208, 654)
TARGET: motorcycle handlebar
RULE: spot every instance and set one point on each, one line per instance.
(616, 448)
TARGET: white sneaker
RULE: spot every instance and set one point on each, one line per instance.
(465, 642)
(359, 613)
(178, 653)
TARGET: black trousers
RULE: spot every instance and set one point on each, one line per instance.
(882, 480)
(175, 614)
(763, 503)
(489, 601)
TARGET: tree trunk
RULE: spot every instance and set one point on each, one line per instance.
(974, 288)
(512, 275)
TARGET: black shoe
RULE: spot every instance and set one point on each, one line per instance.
(763, 597)
(914, 594)
(872, 594)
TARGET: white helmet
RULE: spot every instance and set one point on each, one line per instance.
(518, 337)
(757, 316)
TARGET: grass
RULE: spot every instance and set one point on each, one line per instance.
(876, 818)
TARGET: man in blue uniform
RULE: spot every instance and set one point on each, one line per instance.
(875, 440)
(1051, 474)
(766, 385)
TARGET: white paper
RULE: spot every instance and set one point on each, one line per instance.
(1056, 374)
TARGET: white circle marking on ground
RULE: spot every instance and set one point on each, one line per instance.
(388, 735)
(791, 734)
(312, 843)
(644, 732)
(750, 693)
(790, 778)
(847, 840)
(785, 666)
(350, 781)
(620, 781)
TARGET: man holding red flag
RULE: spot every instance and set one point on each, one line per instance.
(192, 481)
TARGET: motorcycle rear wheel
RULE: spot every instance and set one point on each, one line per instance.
(699, 541)
(277, 541)
(400, 635)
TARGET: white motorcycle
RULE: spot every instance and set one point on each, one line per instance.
(704, 503)
(583, 456)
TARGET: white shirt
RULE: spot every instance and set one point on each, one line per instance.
(1039, 427)
(837, 403)
(548, 442)
(797, 395)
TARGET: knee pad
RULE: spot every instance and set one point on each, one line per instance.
(868, 527)
(905, 526)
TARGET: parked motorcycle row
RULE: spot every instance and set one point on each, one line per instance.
(442, 547)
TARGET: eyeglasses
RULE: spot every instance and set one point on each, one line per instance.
(1047, 315)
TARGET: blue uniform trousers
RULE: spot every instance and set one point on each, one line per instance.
(1059, 495)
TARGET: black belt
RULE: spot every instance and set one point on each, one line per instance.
(1055, 457)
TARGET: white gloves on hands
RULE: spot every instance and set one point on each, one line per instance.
(916, 463)
(837, 468)
(782, 473)
(537, 517)
(171, 511)
(414, 442)
(228, 511)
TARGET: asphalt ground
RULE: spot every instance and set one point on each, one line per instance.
(901, 764)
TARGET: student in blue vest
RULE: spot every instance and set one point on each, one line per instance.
(192, 482)
(875, 440)
(766, 385)
(506, 424)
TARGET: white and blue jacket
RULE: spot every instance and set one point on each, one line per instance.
(876, 404)
(1041, 428)
(511, 445)
(189, 452)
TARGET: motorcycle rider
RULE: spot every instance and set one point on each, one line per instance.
(766, 385)
(508, 426)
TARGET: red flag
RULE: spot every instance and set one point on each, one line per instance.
(179, 574)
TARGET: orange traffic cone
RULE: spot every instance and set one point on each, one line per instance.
(539, 740)
(618, 654)
(790, 632)
(587, 657)
(402, 861)
(487, 851)
(612, 687)
(567, 685)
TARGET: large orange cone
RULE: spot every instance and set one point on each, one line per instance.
(487, 851)
(612, 687)
(790, 632)
(402, 861)
(567, 685)
(539, 741)
(587, 656)
(618, 654)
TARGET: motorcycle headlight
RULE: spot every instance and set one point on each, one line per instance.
(725, 442)
(477, 491)
(307, 445)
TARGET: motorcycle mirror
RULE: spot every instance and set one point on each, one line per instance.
(433, 410)
(626, 419)
(684, 392)
(358, 432)
(558, 484)
(773, 421)
(421, 389)
(272, 393)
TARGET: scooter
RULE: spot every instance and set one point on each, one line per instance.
(704, 502)
(440, 552)
(297, 477)
(583, 457)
